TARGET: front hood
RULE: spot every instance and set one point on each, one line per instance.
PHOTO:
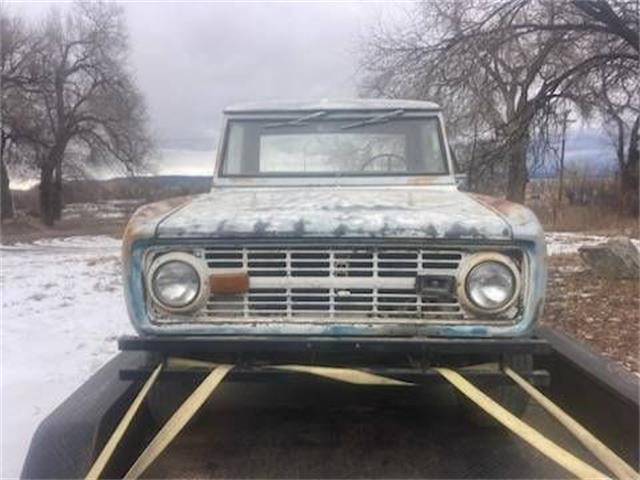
(433, 212)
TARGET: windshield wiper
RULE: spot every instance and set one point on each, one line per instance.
(384, 117)
(297, 121)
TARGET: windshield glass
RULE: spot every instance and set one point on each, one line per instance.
(373, 145)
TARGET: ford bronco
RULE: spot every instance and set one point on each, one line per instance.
(336, 221)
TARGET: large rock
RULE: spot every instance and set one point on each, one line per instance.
(616, 258)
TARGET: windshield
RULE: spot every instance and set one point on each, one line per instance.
(314, 146)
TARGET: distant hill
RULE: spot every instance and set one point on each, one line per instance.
(143, 188)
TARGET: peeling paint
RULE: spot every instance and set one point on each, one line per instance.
(381, 213)
(522, 221)
(298, 227)
(411, 209)
(145, 220)
(406, 212)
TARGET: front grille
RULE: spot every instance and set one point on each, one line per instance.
(333, 262)
(373, 305)
(369, 284)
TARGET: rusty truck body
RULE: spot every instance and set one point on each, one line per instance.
(334, 219)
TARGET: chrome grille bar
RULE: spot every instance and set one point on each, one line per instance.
(372, 284)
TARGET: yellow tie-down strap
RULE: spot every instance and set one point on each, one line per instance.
(178, 420)
(118, 433)
(192, 404)
(603, 453)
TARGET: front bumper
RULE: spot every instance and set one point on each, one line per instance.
(343, 351)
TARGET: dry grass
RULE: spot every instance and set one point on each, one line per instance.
(603, 313)
(27, 228)
(579, 218)
(589, 204)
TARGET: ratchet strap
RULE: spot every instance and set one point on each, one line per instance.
(347, 375)
(118, 433)
(534, 438)
(178, 420)
(357, 377)
(550, 449)
(603, 453)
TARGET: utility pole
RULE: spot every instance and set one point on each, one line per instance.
(565, 117)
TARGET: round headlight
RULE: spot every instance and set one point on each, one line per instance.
(175, 284)
(490, 285)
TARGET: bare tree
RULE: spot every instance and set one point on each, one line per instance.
(612, 98)
(17, 49)
(501, 69)
(620, 110)
(616, 19)
(84, 96)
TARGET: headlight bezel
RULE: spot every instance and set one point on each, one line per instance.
(192, 261)
(471, 262)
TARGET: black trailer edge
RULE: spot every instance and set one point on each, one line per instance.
(69, 439)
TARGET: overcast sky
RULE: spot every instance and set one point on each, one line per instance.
(193, 59)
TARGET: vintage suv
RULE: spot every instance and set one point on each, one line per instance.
(337, 225)
(335, 219)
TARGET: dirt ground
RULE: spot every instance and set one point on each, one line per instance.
(602, 313)
(27, 228)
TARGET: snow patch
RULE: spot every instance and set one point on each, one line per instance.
(108, 209)
(62, 311)
(563, 243)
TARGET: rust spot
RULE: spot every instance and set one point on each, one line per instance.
(149, 212)
(500, 204)
(229, 283)
(516, 213)
(420, 181)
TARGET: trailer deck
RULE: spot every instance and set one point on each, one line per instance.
(317, 429)
(307, 427)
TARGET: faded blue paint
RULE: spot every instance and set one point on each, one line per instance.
(395, 209)
(134, 287)
(532, 301)
(355, 212)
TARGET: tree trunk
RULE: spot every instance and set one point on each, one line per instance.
(58, 203)
(621, 163)
(6, 200)
(471, 171)
(5, 192)
(517, 171)
(50, 175)
(47, 195)
(630, 174)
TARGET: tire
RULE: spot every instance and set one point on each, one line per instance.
(510, 396)
(166, 396)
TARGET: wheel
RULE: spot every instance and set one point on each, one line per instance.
(166, 396)
(510, 396)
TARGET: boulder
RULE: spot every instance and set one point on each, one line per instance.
(616, 258)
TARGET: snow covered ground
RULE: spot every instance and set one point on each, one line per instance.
(564, 243)
(62, 311)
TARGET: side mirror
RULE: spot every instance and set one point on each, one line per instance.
(461, 180)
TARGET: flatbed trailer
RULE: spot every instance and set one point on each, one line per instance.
(268, 423)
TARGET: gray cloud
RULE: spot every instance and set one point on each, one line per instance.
(191, 60)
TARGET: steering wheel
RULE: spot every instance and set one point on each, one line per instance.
(390, 156)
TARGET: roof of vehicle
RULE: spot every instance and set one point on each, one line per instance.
(358, 104)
